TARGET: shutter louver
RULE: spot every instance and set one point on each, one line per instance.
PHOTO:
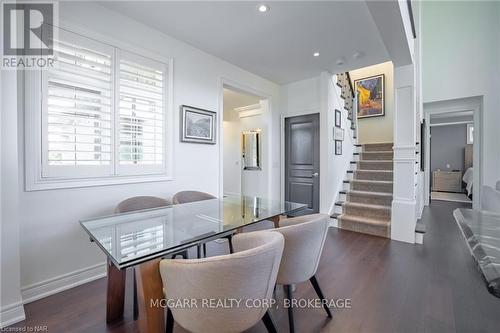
(79, 107)
(141, 112)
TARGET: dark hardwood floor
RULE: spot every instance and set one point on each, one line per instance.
(394, 287)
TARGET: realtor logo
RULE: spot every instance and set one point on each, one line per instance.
(28, 34)
(28, 29)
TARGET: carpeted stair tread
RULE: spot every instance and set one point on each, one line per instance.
(369, 193)
(366, 181)
(376, 155)
(366, 210)
(369, 197)
(382, 146)
(366, 220)
(373, 174)
(375, 165)
(366, 225)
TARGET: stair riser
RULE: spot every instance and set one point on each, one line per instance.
(373, 200)
(377, 147)
(372, 187)
(381, 231)
(375, 165)
(377, 156)
(364, 175)
(382, 214)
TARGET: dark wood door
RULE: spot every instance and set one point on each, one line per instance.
(302, 161)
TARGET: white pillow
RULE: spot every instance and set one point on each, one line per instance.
(490, 199)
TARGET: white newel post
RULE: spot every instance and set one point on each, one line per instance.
(404, 200)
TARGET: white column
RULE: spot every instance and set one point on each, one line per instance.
(404, 201)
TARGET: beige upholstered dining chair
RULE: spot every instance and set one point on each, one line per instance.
(190, 196)
(193, 196)
(140, 203)
(304, 240)
(246, 275)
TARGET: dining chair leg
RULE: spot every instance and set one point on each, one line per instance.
(204, 250)
(136, 306)
(289, 296)
(183, 255)
(315, 284)
(230, 242)
(169, 325)
(198, 251)
(268, 321)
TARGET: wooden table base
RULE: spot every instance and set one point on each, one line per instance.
(276, 221)
(149, 295)
(115, 293)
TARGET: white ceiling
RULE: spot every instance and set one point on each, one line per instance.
(234, 99)
(277, 45)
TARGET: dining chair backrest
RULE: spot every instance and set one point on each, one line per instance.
(190, 196)
(139, 203)
(248, 274)
(304, 240)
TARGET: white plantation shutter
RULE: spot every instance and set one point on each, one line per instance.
(103, 114)
(78, 118)
(141, 113)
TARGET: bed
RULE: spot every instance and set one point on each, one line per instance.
(468, 176)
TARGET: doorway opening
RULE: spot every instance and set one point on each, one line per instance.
(244, 143)
(452, 160)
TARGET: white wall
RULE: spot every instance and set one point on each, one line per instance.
(11, 309)
(321, 95)
(461, 58)
(378, 129)
(53, 243)
(232, 152)
(236, 180)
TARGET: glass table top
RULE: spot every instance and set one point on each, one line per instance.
(481, 231)
(132, 238)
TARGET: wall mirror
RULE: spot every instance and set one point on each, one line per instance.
(251, 150)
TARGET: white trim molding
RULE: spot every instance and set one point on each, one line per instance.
(34, 122)
(11, 314)
(403, 216)
(62, 282)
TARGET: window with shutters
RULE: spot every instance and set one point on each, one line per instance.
(104, 114)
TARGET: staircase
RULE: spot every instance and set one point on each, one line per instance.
(365, 202)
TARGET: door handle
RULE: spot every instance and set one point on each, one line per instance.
(315, 174)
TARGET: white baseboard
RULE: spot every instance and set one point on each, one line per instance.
(63, 282)
(11, 314)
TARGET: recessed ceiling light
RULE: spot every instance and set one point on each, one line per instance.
(316, 54)
(263, 8)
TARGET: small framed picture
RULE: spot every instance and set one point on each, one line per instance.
(338, 118)
(198, 125)
(338, 147)
(338, 134)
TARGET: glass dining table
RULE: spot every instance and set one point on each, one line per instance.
(140, 239)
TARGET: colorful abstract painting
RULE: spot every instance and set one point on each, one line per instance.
(370, 96)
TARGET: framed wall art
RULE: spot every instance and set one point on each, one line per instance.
(371, 96)
(198, 125)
